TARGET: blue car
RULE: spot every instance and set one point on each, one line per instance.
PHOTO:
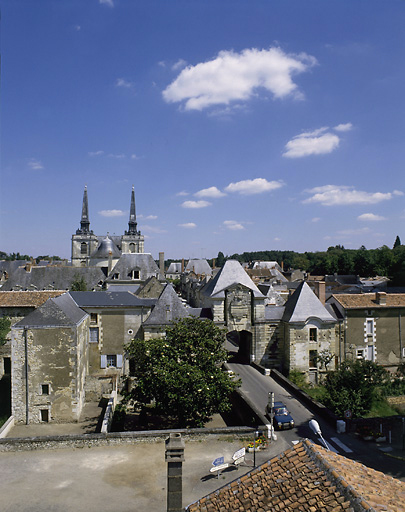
(282, 419)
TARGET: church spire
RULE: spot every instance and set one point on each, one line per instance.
(84, 222)
(132, 216)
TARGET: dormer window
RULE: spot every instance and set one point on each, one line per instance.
(134, 274)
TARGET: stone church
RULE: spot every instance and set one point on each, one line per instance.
(89, 249)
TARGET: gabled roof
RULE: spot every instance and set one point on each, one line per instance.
(26, 299)
(53, 278)
(174, 268)
(199, 267)
(150, 289)
(370, 300)
(110, 299)
(143, 262)
(169, 308)
(304, 304)
(231, 274)
(307, 478)
(60, 311)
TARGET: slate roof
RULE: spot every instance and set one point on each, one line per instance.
(174, 268)
(274, 313)
(231, 274)
(143, 262)
(304, 304)
(150, 289)
(307, 478)
(169, 308)
(60, 311)
(104, 249)
(199, 267)
(53, 278)
(26, 299)
(109, 299)
(369, 300)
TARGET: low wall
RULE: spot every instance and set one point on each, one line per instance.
(119, 438)
(109, 413)
(7, 426)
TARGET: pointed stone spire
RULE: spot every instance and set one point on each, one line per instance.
(85, 222)
(132, 216)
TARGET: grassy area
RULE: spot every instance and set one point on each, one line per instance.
(381, 409)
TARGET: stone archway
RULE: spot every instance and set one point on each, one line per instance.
(242, 341)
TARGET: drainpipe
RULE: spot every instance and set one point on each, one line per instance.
(26, 377)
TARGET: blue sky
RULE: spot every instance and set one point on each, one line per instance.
(243, 125)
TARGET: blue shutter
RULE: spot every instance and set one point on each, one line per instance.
(103, 362)
(119, 360)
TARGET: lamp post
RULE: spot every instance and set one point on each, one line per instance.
(270, 406)
(316, 429)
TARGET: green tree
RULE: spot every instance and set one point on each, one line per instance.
(78, 285)
(354, 386)
(5, 325)
(220, 261)
(182, 372)
(397, 242)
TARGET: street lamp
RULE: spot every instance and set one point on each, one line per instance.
(316, 429)
(254, 447)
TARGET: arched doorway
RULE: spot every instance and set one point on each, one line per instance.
(240, 344)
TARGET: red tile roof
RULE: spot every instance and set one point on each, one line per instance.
(27, 299)
(307, 478)
(370, 300)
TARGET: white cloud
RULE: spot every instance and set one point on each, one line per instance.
(209, 192)
(370, 217)
(346, 127)
(119, 156)
(162, 64)
(153, 229)
(233, 225)
(182, 193)
(95, 153)
(110, 3)
(276, 239)
(147, 217)
(77, 28)
(316, 219)
(350, 232)
(236, 77)
(36, 165)
(188, 225)
(333, 195)
(121, 82)
(256, 186)
(398, 193)
(111, 213)
(134, 157)
(311, 143)
(181, 63)
(195, 204)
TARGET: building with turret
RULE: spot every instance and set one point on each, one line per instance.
(89, 249)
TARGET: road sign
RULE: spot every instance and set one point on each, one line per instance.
(218, 461)
(240, 453)
(219, 468)
(239, 461)
(348, 414)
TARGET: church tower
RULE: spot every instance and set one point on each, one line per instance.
(132, 241)
(84, 242)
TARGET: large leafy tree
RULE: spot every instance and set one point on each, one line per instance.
(182, 373)
(354, 386)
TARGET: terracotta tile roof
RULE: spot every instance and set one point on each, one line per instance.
(307, 478)
(370, 300)
(26, 299)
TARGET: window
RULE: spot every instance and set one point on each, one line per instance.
(130, 332)
(370, 353)
(313, 334)
(93, 318)
(132, 247)
(360, 353)
(369, 326)
(83, 249)
(134, 274)
(94, 335)
(45, 389)
(44, 415)
(111, 361)
(313, 358)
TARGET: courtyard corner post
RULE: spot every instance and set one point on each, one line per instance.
(174, 456)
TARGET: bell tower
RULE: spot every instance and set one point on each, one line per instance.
(84, 242)
(132, 241)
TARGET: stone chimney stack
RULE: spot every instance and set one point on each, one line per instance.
(182, 265)
(174, 456)
(162, 263)
(381, 298)
(109, 263)
(320, 290)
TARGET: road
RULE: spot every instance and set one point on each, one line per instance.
(257, 386)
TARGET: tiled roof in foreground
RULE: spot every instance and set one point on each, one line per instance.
(307, 478)
(27, 299)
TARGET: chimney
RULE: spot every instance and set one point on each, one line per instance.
(109, 262)
(213, 263)
(174, 456)
(182, 265)
(320, 290)
(381, 298)
(282, 266)
(162, 263)
(28, 267)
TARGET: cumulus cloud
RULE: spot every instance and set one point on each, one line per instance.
(316, 219)
(350, 232)
(316, 142)
(95, 153)
(234, 77)
(148, 217)
(210, 192)
(346, 127)
(336, 195)
(398, 193)
(34, 164)
(111, 213)
(121, 82)
(195, 204)
(370, 217)
(256, 186)
(119, 156)
(182, 193)
(233, 225)
(188, 225)
(110, 3)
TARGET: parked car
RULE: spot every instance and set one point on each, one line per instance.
(282, 419)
